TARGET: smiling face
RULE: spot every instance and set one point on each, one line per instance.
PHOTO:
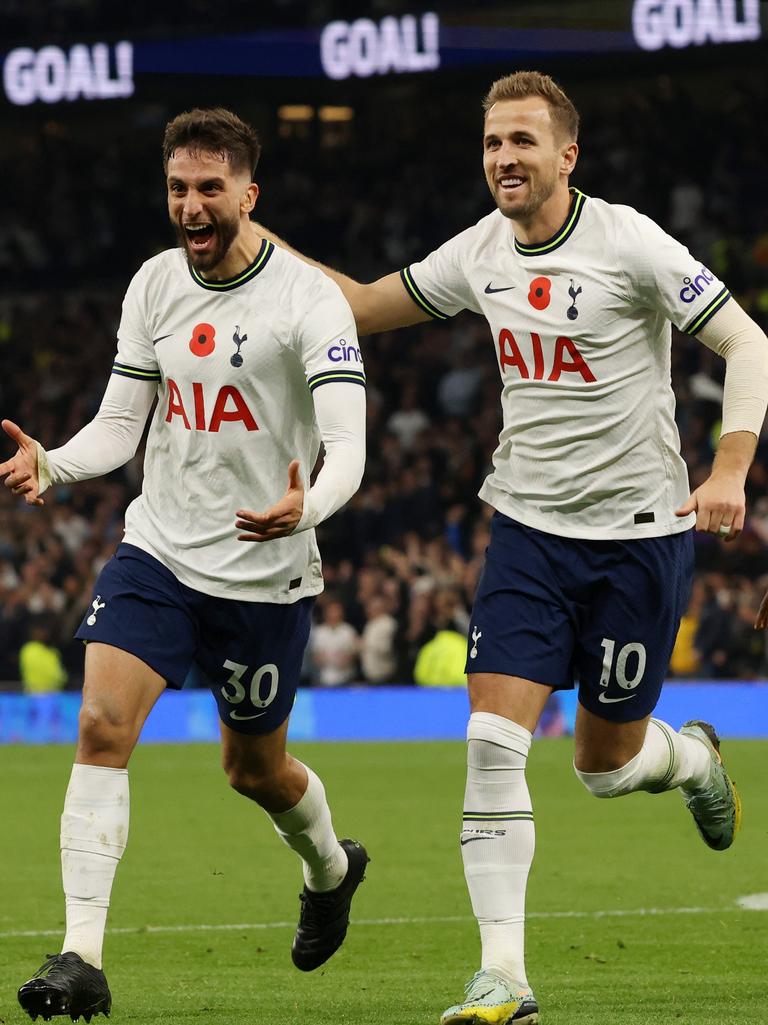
(525, 159)
(208, 204)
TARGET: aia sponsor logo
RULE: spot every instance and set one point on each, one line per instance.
(229, 406)
(547, 361)
(692, 288)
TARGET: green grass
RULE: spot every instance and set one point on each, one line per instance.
(200, 855)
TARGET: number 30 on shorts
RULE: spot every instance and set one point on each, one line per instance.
(628, 665)
(234, 690)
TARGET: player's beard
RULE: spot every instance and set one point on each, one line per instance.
(225, 233)
(539, 191)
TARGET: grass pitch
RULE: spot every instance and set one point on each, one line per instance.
(632, 919)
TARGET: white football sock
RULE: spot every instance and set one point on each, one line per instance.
(498, 839)
(666, 760)
(94, 832)
(307, 829)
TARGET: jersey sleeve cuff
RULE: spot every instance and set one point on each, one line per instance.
(137, 373)
(336, 376)
(708, 313)
(418, 296)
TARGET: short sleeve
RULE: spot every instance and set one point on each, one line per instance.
(327, 337)
(135, 350)
(439, 285)
(663, 275)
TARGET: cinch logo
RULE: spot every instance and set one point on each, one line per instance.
(566, 358)
(229, 406)
(342, 351)
(696, 287)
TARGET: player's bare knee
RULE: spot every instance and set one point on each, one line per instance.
(250, 780)
(101, 732)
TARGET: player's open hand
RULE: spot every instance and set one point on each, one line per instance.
(279, 521)
(719, 504)
(20, 471)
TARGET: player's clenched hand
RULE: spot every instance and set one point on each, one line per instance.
(21, 469)
(719, 503)
(279, 521)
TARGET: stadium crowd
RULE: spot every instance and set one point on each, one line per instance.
(402, 560)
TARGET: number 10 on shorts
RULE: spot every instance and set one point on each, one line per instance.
(627, 666)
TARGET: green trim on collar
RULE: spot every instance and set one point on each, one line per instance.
(263, 255)
(561, 236)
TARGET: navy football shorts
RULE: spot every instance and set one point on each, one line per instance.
(248, 653)
(600, 614)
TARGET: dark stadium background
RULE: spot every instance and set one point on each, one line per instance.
(371, 174)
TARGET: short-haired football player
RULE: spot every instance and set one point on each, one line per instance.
(251, 357)
(591, 554)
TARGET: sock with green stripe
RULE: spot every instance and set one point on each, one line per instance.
(666, 760)
(497, 839)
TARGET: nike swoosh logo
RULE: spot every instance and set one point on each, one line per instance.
(489, 290)
(160, 339)
(612, 701)
(243, 718)
(471, 838)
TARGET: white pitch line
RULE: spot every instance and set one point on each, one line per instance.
(425, 920)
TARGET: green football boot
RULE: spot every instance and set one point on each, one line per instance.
(490, 1000)
(716, 808)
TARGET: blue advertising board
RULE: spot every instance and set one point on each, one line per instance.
(377, 713)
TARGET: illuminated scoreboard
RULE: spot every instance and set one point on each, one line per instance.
(363, 47)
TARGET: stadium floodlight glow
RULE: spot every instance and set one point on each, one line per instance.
(335, 114)
(82, 72)
(296, 112)
(364, 47)
(681, 23)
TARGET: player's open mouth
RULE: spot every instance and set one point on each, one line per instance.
(198, 235)
(511, 182)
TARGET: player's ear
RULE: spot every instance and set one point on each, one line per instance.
(250, 196)
(569, 155)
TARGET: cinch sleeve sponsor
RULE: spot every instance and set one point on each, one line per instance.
(438, 284)
(327, 337)
(664, 276)
(135, 351)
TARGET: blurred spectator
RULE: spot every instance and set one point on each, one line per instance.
(334, 645)
(40, 666)
(685, 660)
(377, 644)
(440, 663)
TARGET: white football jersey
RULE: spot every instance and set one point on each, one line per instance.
(235, 364)
(581, 330)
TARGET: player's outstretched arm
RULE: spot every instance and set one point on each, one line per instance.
(21, 470)
(381, 305)
(108, 441)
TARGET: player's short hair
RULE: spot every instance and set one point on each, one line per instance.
(522, 84)
(213, 131)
